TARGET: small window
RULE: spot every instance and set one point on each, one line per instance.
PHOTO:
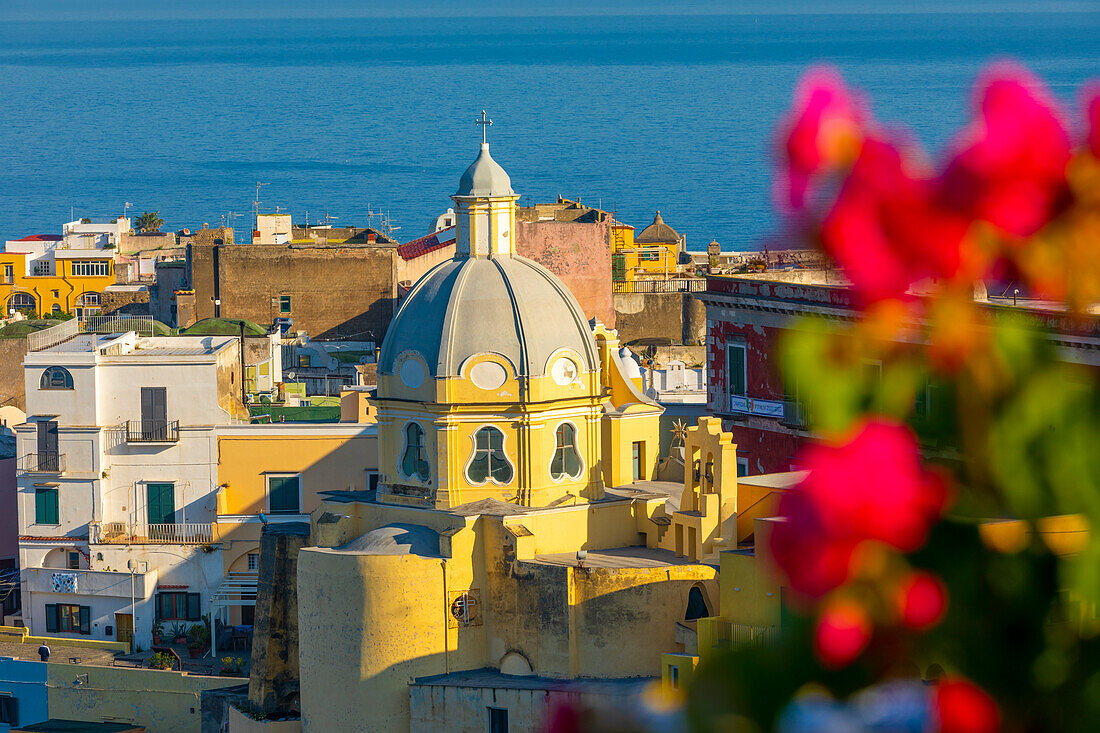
(303, 360)
(736, 369)
(566, 460)
(742, 467)
(489, 461)
(68, 619)
(284, 304)
(637, 460)
(674, 676)
(498, 720)
(253, 561)
(651, 254)
(178, 607)
(284, 494)
(56, 377)
(74, 561)
(9, 709)
(414, 461)
(45, 506)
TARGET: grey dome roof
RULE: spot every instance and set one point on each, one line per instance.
(485, 177)
(507, 305)
(396, 539)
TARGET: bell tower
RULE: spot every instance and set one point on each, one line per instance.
(485, 206)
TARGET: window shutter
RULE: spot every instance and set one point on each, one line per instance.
(194, 612)
(158, 601)
(51, 617)
(85, 620)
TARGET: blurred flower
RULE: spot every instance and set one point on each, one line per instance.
(843, 631)
(921, 600)
(963, 707)
(822, 132)
(1092, 111)
(1010, 166)
(871, 487)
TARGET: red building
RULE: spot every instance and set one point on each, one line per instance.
(746, 319)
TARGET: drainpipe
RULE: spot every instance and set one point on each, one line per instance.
(446, 610)
(244, 388)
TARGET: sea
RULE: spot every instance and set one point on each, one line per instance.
(370, 121)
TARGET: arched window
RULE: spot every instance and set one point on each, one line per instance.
(22, 302)
(414, 462)
(697, 605)
(489, 462)
(89, 299)
(56, 377)
(566, 460)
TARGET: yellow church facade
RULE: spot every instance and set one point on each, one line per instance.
(517, 541)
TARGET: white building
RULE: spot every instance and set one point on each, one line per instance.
(117, 481)
(92, 234)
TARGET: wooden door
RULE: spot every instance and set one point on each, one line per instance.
(47, 445)
(124, 629)
(154, 413)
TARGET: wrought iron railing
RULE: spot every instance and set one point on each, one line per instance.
(750, 634)
(142, 325)
(671, 285)
(42, 462)
(183, 533)
(152, 431)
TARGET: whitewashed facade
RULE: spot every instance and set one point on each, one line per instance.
(117, 479)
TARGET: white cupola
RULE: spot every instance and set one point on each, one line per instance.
(486, 206)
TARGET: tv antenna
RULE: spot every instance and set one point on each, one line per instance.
(256, 206)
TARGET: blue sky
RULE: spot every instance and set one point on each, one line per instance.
(123, 10)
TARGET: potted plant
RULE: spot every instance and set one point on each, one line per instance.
(179, 633)
(158, 633)
(195, 648)
(199, 636)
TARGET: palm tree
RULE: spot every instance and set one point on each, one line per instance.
(149, 222)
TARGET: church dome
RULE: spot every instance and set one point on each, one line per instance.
(504, 305)
(657, 233)
(485, 177)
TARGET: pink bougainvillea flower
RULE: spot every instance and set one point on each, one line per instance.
(869, 488)
(843, 631)
(963, 707)
(885, 228)
(1010, 164)
(822, 131)
(1092, 111)
(921, 600)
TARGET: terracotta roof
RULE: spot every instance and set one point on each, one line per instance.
(40, 238)
(424, 245)
(658, 231)
(161, 586)
(31, 538)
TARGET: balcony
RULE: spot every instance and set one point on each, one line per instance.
(42, 462)
(742, 405)
(123, 533)
(152, 431)
(795, 415)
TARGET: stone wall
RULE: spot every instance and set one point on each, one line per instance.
(12, 352)
(679, 317)
(171, 276)
(126, 302)
(577, 253)
(133, 244)
(335, 291)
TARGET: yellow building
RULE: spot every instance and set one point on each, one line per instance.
(652, 253)
(517, 547)
(43, 280)
(279, 471)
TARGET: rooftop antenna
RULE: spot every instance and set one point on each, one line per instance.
(125, 206)
(371, 213)
(387, 227)
(328, 218)
(256, 206)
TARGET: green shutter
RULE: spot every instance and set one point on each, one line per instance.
(283, 494)
(194, 613)
(51, 617)
(157, 603)
(161, 503)
(85, 620)
(45, 506)
(735, 369)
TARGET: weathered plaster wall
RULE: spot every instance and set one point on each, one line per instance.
(274, 681)
(335, 291)
(125, 302)
(12, 391)
(163, 701)
(676, 316)
(577, 253)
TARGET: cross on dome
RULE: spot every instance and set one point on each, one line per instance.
(485, 123)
